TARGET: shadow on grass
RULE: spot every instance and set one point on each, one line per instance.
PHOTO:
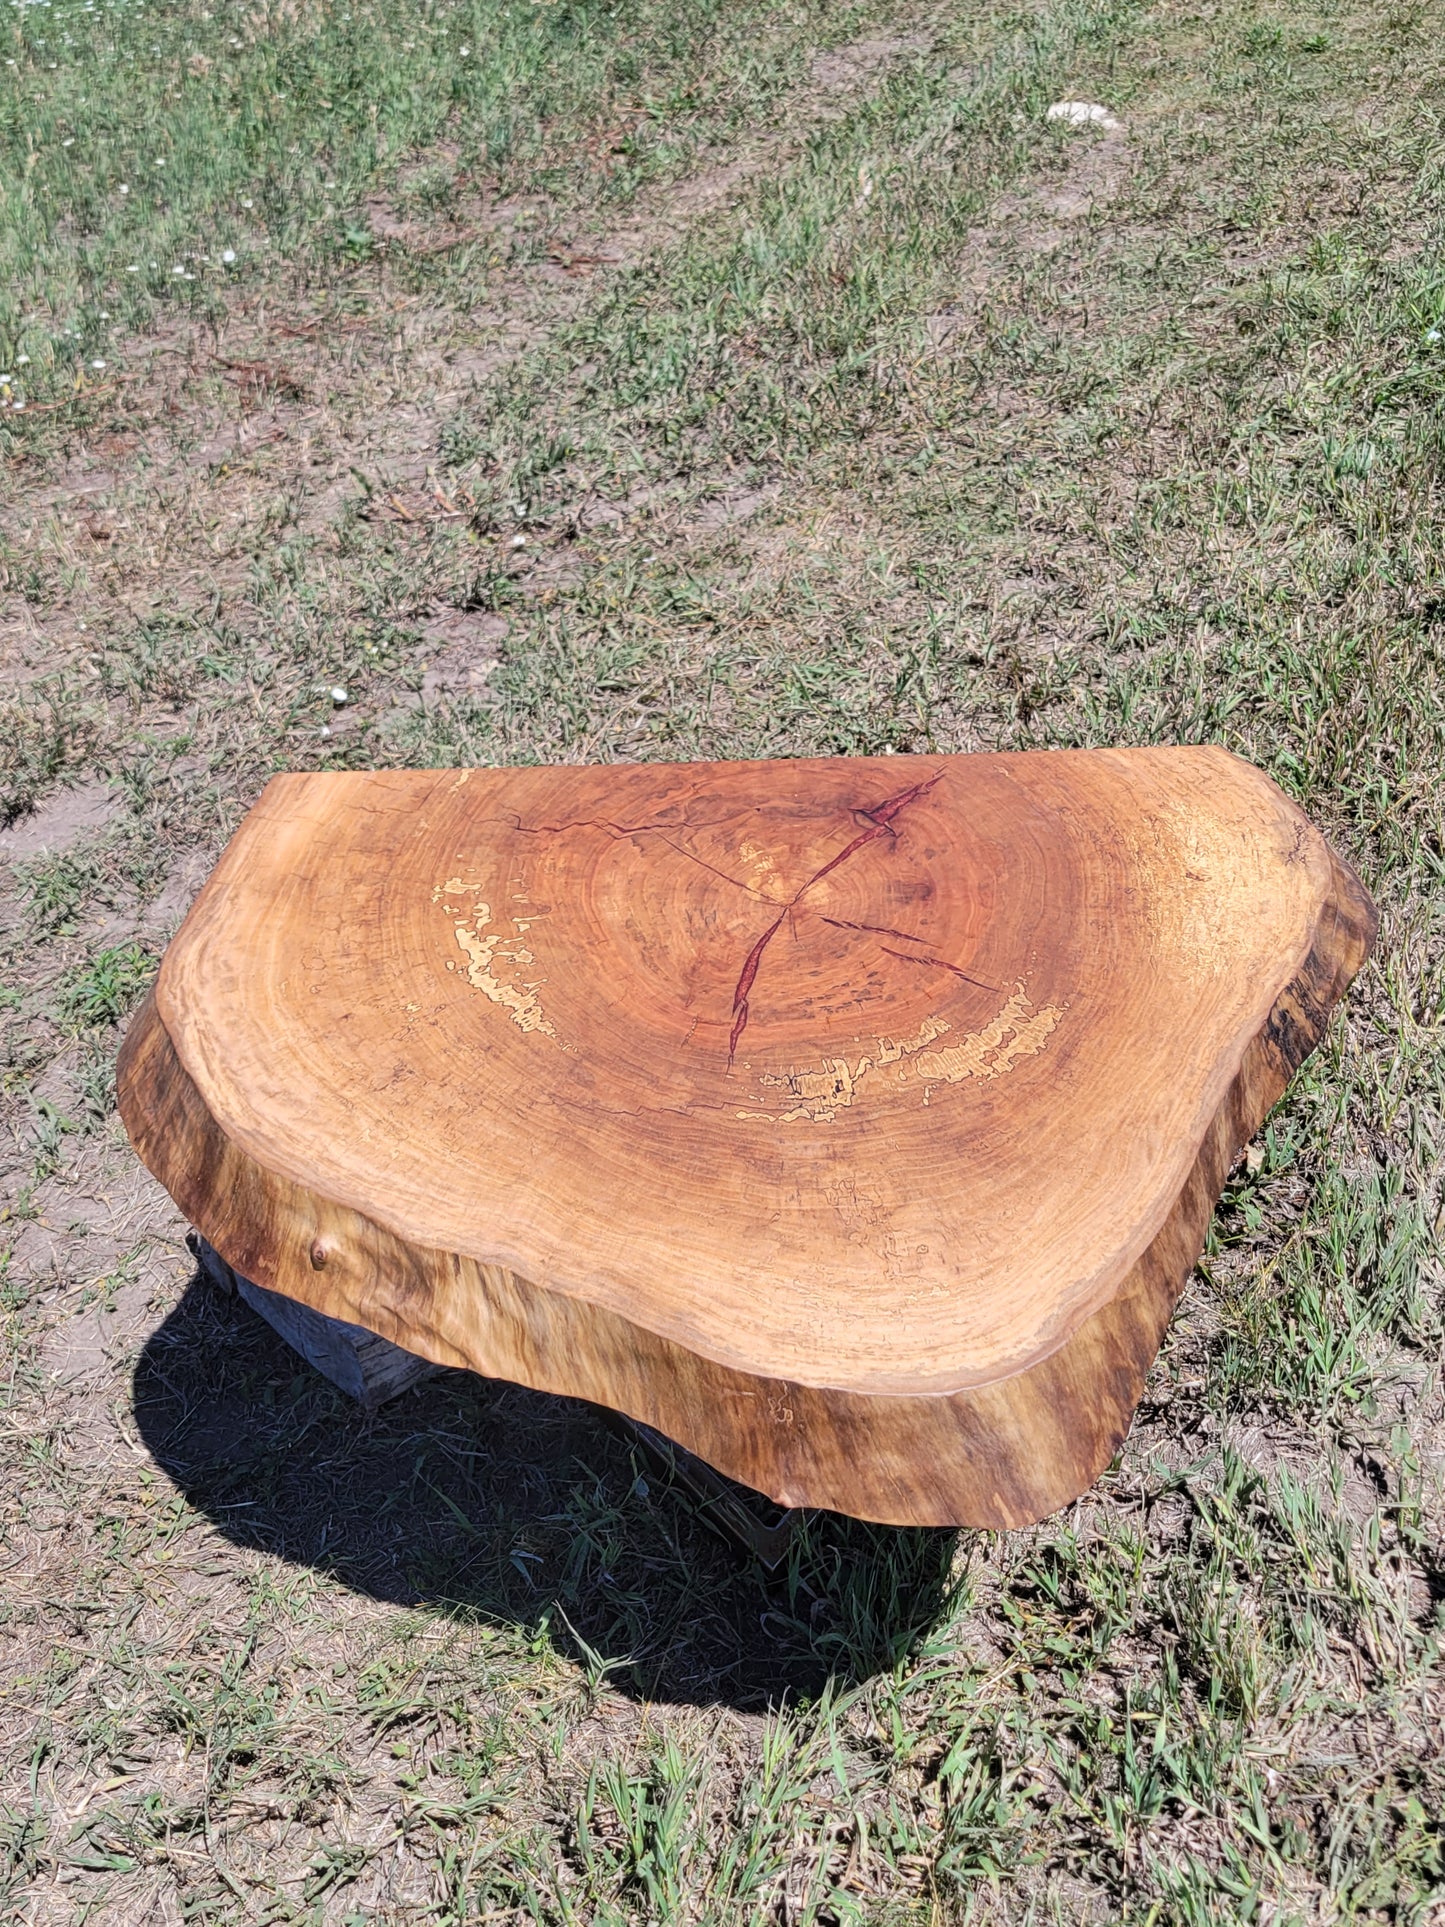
(484, 1499)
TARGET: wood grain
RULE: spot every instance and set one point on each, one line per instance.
(855, 1123)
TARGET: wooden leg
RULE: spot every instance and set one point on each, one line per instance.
(367, 1368)
(372, 1370)
(744, 1518)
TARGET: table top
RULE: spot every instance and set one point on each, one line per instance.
(875, 1074)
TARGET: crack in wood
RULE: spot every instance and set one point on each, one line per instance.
(880, 820)
(876, 929)
(644, 829)
(940, 963)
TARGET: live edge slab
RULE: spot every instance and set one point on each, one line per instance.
(855, 1123)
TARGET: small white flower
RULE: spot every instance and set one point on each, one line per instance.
(326, 729)
(105, 314)
(4, 381)
(1432, 335)
(177, 270)
(160, 163)
(17, 404)
(134, 268)
(519, 541)
(465, 52)
(228, 255)
(69, 143)
(97, 363)
(246, 203)
(22, 361)
(122, 189)
(339, 696)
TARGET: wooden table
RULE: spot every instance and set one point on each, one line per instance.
(854, 1123)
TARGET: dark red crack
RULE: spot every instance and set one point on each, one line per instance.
(938, 963)
(880, 818)
(884, 813)
(745, 984)
(874, 929)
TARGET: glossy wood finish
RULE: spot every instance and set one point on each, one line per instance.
(855, 1123)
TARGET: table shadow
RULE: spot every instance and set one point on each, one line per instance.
(488, 1501)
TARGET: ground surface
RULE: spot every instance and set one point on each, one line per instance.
(678, 379)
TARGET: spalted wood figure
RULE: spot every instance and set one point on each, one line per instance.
(855, 1123)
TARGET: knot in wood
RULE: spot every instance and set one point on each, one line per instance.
(320, 1252)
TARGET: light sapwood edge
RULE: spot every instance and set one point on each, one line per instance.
(1001, 1455)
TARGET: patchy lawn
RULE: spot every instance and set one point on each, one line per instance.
(569, 382)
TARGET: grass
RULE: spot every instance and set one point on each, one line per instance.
(732, 380)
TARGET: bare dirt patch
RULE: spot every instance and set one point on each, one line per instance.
(461, 650)
(65, 818)
(1095, 177)
(1039, 221)
(843, 68)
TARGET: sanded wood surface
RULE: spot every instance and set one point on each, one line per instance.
(855, 1123)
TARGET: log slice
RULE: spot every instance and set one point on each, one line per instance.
(853, 1122)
